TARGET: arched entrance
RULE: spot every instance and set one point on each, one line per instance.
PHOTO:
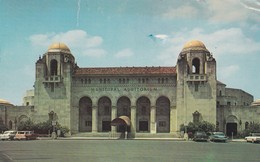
(143, 114)
(163, 115)
(231, 125)
(104, 114)
(123, 109)
(124, 123)
(85, 114)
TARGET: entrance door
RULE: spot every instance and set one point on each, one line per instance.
(231, 127)
(106, 127)
(143, 126)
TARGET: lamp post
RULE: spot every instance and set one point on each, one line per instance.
(53, 134)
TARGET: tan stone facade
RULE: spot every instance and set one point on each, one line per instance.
(157, 100)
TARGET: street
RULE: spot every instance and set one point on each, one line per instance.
(126, 151)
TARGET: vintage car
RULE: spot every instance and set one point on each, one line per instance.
(218, 137)
(8, 135)
(200, 136)
(25, 135)
(254, 138)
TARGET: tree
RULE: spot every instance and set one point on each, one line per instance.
(198, 126)
(26, 125)
(42, 128)
(251, 128)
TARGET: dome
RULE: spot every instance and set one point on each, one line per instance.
(59, 46)
(4, 102)
(194, 45)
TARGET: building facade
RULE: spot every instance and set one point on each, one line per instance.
(155, 100)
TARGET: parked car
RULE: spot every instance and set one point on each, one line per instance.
(8, 135)
(200, 136)
(254, 137)
(218, 137)
(25, 135)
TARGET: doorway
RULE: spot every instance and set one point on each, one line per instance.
(143, 126)
(231, 127)
(106, 127)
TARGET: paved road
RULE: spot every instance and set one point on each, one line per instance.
(126, 151)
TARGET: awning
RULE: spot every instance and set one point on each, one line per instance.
(122, 120)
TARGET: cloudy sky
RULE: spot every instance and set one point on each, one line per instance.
(113, 33)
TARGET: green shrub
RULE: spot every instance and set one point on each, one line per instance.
(252, 127)
(198, 126)
(42, 128)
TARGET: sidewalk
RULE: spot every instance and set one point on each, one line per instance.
(108, 138)
(139, 138)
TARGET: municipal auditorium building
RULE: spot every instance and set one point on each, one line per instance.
(147, 101)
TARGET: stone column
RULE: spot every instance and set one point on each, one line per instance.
(173, 120)
(94, 119)
(153, 120)
(113, 116)
(133, 121)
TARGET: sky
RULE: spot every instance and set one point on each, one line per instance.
(121, 33)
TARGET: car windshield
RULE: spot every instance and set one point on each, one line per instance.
(219, 133)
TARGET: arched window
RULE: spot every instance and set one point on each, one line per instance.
(54, 67)
(196, 66)
(10, 125)
(196, 117)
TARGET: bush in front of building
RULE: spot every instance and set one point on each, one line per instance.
(252, 127)
(42, 128)
(198, 126)
(27, 125)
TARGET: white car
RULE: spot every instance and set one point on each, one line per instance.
(254, 137)
(8, 135)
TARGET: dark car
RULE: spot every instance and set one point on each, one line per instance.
(218, 137)
(200, 136)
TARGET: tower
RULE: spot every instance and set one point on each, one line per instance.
(196, 84)
(53, 85)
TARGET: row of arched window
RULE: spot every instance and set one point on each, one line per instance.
(124, 80)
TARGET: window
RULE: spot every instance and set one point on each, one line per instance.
(246, 125)
(107, 110)
(88, 123)
(196, 117)
(228, 103)
(54, 67)
(143, 110)
(162, 124)
(195, 66)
